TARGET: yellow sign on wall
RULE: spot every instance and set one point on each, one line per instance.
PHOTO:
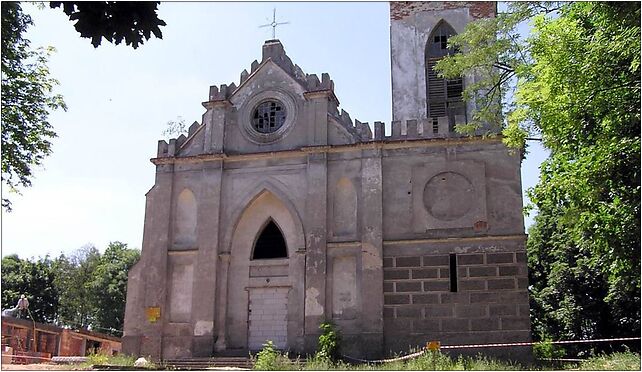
(433, 345)
(153, 314)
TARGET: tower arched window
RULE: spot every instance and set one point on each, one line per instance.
(270, 243)
(444, 96)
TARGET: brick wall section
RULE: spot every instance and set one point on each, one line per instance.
(478, 9)
(491, 299)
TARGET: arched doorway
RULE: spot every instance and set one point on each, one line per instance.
(266, 275)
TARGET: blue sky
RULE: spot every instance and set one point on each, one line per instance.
(91, 190)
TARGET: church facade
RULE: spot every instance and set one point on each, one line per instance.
(278, 212)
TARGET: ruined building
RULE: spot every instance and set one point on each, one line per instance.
(278, 212)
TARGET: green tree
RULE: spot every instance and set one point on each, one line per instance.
(77, 297)
(115, 21)
(27, 100)
(28, 89)
(574, 83)
(34, 279)
(109, 285)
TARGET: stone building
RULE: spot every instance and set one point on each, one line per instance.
(278, 212)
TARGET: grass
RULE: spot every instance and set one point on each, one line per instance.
(436, 361)
(121, 360)
(613, 362)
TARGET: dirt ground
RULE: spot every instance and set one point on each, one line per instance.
(62, 367)
(36, 367)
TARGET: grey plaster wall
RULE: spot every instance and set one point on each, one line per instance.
(367, 220)
(408, 38)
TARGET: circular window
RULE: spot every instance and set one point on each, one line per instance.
(268, 116)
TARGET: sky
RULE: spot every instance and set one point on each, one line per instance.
(91, 190)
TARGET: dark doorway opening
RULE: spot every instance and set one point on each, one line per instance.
(270, 243)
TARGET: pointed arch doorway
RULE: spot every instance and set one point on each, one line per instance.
(265, 281)
(268, 307)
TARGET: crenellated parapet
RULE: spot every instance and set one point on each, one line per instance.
(222, 92)
(403, 130)
(400, 130)
(273, 50)
(172, 148)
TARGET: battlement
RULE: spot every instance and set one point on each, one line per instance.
(401, 130)
(273, 50)
(170, 149)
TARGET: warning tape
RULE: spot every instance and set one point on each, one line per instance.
(539, 342)
(413, 355)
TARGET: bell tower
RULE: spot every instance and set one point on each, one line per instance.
(419, 33)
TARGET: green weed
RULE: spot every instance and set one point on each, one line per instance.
(613, 362)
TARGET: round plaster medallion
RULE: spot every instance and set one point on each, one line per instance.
(268, 102)
(448, 196)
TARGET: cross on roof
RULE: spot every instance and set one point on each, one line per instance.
(273, 24)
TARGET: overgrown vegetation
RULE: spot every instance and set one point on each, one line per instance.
(436, 361)
(328, 357)
(271, 359)
(612, 362)
(329, 342)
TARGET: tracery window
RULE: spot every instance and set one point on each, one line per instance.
(268, 116)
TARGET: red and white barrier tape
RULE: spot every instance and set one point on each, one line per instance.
(413, 355)
(539, 342)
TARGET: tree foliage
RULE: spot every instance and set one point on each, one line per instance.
(28, 89)
(27, 100)
(115, 21)
(74, 274)
(575, 83)
(34, 279)
(109, 285)
(83, 290)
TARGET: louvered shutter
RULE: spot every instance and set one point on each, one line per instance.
(436, 91)
(444, 97)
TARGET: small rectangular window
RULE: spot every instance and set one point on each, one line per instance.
(435, 126)
(453, 272)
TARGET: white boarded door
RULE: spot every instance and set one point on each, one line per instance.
(267, 317)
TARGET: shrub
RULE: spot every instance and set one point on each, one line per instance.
(546, 350)
(271, 359)
(328, 343)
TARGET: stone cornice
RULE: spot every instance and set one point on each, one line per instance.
(218, 103)
(324, 93)
(304, 151)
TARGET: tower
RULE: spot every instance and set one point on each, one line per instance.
(419, 33)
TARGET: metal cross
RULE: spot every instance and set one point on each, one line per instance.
(273, 24)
